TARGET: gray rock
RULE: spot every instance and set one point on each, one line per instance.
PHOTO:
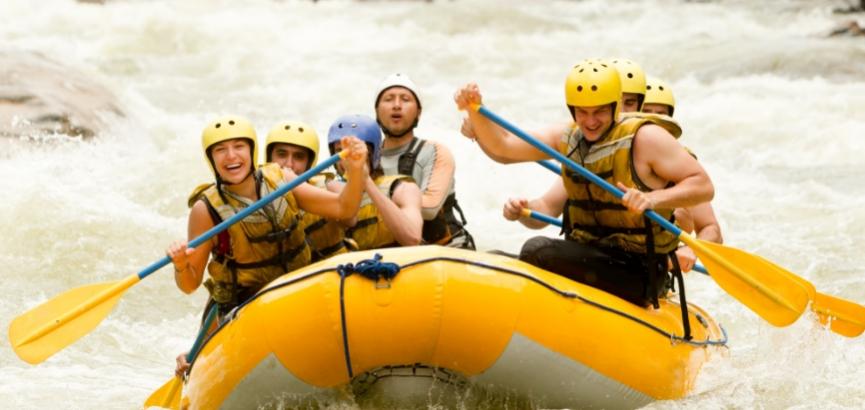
(39, 96)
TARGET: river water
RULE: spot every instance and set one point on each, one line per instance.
(775, 111)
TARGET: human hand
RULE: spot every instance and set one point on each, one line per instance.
(513, 208)
(467, 95)
(687, 258)
(182, 365)
(356, 160)
(179, 254)
(636, 200)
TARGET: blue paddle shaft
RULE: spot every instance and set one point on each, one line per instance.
(211, 315)
(550, 166)
(573, 165)
(244, 213)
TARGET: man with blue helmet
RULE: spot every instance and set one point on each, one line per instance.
(390, 211)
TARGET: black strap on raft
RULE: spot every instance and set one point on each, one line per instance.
(652, 267)
(373, 269)
(683, 303)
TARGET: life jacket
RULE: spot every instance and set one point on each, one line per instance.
(259, 248)
(594, 216)
(325, 238)
(370, 231)
(445, 227)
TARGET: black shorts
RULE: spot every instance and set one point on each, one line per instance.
(614, 271)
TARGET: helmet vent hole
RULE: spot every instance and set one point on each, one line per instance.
(649, 87)
(580, 88)
(594, 88)
(582, 69)
(630, 75)
(300, 129)
(661, 88)
(231, 122)
(218, 124)
(595, 70)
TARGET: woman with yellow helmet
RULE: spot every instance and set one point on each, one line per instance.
(609, 244)
(267, 243)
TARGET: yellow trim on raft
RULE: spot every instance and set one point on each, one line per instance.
(449, 314)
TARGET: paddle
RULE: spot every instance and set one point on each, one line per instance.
(168, 396)
(843, 316)
(48, 328)
(750, 279)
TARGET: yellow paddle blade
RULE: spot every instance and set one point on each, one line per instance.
(843, 316)
(46, 329)
(752, 280)
(167, 397)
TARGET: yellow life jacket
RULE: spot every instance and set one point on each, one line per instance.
(594, 216)
(263, 246)
(370, 231)
(325, 238)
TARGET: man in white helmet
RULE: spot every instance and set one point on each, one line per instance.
(430, 163)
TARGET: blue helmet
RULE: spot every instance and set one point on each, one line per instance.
(360, 126)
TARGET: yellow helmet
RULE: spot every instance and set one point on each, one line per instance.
(592, 83)
(658, 92)
(294, 133)
(632, 76)
(227, 128)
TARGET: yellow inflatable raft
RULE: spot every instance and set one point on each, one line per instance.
(449, 318)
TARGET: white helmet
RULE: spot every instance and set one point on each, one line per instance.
(397, 80)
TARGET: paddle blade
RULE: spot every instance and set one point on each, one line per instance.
(752, 280)
(843, 316)
(48, 328)
(167, 397)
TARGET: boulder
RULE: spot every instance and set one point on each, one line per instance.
(39, 96)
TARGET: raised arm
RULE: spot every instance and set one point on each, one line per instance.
(345, 204)
(498, 144)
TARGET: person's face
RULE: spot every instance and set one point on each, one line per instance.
(397, 110)
(594, 121)
(654, 108)
(232, 159)
(291, 156)
(630, 102)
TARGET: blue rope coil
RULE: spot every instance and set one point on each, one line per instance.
(373, 269)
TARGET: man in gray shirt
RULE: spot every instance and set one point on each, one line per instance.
(430, 163)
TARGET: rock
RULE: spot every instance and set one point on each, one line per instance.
(39, 96)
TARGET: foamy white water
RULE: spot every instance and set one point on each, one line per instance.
(775, 112)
